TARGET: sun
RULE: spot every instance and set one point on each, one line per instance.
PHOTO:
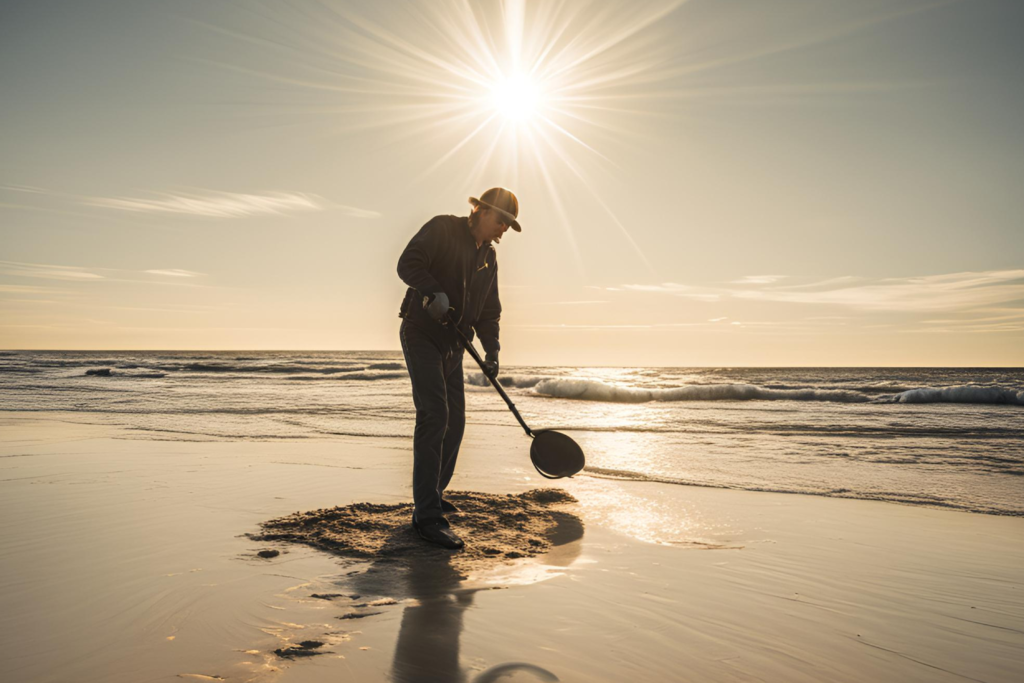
(516, 88)
(517, 98)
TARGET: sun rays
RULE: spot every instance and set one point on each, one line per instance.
(493, 91)
(508, 92)
(525, 85)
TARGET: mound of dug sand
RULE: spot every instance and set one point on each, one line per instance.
(495, 528)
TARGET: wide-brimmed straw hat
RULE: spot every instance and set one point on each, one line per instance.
(503, 201)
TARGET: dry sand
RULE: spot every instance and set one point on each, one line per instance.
(128, 559)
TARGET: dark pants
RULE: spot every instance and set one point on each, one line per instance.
(435, 369)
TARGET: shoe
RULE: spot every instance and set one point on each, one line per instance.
(437, 531)
(448, 507)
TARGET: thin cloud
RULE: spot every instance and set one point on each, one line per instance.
(582, 327)
(930, 293)
(709, 325)
(921, 294)
(758, 280)
(573, 303)
(30, 289)
(354, 211)
(215, 204)
(831, 282)
(1008, 320)
(48, 272)
(84, 274)
(179, 309)
(1009, 326)
(675, 289)
(23, 188)
(206, 203)
(1011, 314)
(174, 272)
(31, 302)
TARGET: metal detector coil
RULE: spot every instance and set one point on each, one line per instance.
(556, 455)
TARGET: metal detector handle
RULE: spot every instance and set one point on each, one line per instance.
(468, 345)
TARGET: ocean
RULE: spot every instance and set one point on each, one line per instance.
(941, 437)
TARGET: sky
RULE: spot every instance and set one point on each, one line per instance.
(786, 183)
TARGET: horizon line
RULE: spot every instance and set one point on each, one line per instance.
(599, 365)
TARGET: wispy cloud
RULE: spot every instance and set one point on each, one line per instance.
(355, 212)
(174, 272)
(30, 289)
(215, 204)
(640, 326)
(541, 326)
(1005, 320)
(23, 188)
(676, 289)
(48, 272)
(573, 303)
(930, 293)
(921, 294)
(207, 203)
(89, 274)
(758, 280)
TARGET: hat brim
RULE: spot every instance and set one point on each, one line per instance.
(512, 222)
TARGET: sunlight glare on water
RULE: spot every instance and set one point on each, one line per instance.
(941, 437)
(649, 517)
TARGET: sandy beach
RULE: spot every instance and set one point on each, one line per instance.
(126, 558)
(761, 292)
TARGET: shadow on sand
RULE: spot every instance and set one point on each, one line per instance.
(427, 650)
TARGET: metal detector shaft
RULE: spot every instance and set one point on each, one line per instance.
(468, 345)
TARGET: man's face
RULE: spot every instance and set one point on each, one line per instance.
(492, 225)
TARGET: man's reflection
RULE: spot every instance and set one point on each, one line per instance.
(428, 642)
(427, 650)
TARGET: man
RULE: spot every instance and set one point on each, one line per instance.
(451, 268)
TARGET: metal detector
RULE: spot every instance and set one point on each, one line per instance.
(555, 455)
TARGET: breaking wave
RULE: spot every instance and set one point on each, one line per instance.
(292, 368)
(363, 376)
(961, 394)
(477, 379)
(593, 390)
(386, 366)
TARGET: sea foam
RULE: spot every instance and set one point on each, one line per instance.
(961, 394)
(518, 381)
(594, 390)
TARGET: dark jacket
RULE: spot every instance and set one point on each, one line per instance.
(443, 257)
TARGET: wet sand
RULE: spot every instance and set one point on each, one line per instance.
(129, 559)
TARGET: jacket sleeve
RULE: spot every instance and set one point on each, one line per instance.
(487, 326)
(423, 250)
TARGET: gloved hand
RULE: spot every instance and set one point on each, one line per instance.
(437, 307)
(491, 364)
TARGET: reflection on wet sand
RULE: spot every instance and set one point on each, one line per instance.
(427, 649)
(428, 642)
